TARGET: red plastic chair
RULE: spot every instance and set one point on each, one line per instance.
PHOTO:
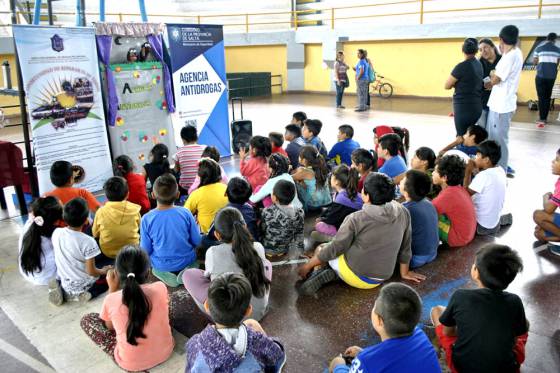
(12, 174)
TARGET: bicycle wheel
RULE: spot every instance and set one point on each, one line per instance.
(385, 90)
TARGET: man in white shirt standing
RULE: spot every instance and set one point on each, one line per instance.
(503, 99)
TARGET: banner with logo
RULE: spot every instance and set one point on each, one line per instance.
(61, 79)
(196, 54)
(142, 119)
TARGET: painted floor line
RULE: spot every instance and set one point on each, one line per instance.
(24, 358)
(289, 262)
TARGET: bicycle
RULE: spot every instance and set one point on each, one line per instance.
(384, 89)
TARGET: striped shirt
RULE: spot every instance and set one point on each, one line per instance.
(188, 157)
(548, 54)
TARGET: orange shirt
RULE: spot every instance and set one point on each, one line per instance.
(158, 344)
(66, 194)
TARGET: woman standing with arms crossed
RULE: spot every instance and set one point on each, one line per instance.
(489, 58)
(466, 78)
(340, 78)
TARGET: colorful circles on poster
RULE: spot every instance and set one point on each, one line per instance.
(155, 140)
(141, 156)
(143, 137)
(119, 121)
(118, 69)
(162, 132)
(136, 74)
(125, 135)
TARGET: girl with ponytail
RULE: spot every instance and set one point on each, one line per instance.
(36, 255)
(347, 199)
(279, 167)
(311, 179)
(237, 253)
(158, 165)
(133, 326)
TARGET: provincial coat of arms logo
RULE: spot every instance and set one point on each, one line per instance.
(57, 43)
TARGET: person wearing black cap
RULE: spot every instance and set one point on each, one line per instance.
(503, 98)
(466, 78)
(547, 56)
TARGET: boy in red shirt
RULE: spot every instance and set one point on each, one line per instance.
(62, 177)
(457, 219)
(547, 219)
(277, 140)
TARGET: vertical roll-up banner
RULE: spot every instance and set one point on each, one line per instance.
(61, 78)
(196, 54)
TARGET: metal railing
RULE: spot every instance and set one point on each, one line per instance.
(293, 19)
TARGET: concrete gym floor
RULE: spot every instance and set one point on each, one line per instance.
(35, 336)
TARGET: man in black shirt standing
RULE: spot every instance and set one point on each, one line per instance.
(485, 329)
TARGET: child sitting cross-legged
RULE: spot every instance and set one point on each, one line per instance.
(415, 186)
(365, 162)
(311, 179)
(137, 193)
(169, 233)
(36, 254)
(347, 199)
(380, 230)
(116, 223)
(74, 254)
(468, 142)
(238, 192)
(231, 344)
(210, 196)
(547, 219)
(457, 220)
(310, 133)
(298, 118)
(425, 160)
(293, 135)
(62, 177)
(133, 326)
(213, 153)
(237, 253)
(485, 329)
(404, 347)
(282, 223)
(187, 157)
(255, 170)
(341, 152)
(279, 166)
(277, 140)
(390, 148)
(488, 188)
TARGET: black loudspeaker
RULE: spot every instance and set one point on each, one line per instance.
(241, 130)
(241, 133)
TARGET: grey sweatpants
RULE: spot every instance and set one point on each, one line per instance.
(497, 126)
(362, 91)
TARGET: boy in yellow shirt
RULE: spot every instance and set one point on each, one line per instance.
(116, 224)
(210, 196)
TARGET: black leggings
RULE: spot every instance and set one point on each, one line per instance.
(544, 91)
(466, 115)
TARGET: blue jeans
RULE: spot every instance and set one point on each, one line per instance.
(497, 126)
(419, 260)
(339, 92)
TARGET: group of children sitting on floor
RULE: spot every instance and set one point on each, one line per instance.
(218, 246)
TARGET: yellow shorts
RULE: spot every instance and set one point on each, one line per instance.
(345, 273)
